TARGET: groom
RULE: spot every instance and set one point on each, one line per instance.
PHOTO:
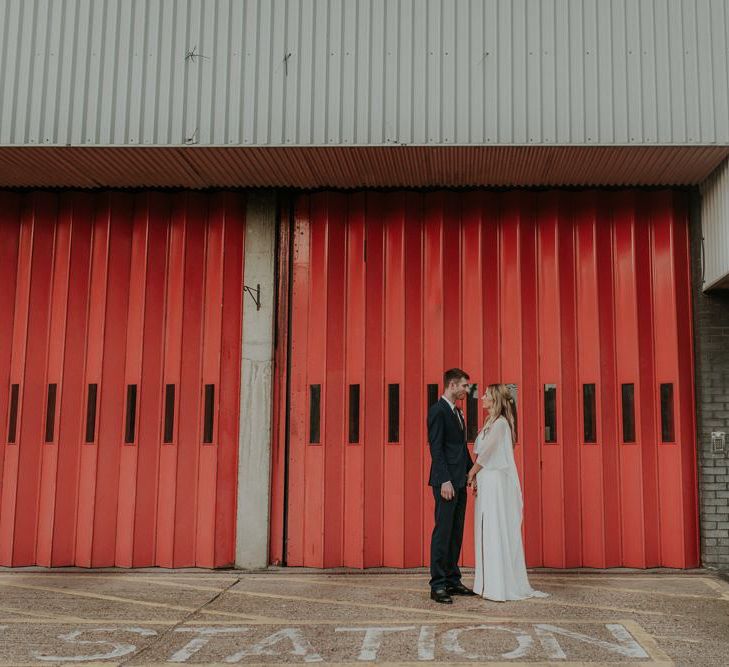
(448, 471)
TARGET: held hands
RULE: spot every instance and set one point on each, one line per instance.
(471, 481)
(447, 491)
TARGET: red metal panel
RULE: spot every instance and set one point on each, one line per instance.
(506, 310)
(112, 397)
(628, 372)
(156, 209)
(93, 376)
(529, 393)
(550, 372)
(373, 406)
(333, 407)
(211, 348)
(9, 258)
(589, 474)
(228, 405)
(413, 388)
(354, 486)
(609, 389)
(394, 371)
(172, 344)
(571, 391)
(523, 288)
(16, 363)
(190, 422)
(72, 408)
(648, 365)
(432, 331)
(667, 355)
(686, 397)
(127, 491)
(97, 296)
(33, 395)
(54, 375)
(314, 456)
(471, 311)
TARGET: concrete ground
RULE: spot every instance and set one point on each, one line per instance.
(294, 616)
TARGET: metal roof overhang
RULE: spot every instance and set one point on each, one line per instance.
(355, 166)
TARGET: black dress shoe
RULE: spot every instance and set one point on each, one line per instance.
(440, 595)
(459, 590)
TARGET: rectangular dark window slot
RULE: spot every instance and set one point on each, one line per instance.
(51, 412)
(393, 413)
(209, 413)
(91, 413)
(315, 414)
(13, 416)
(628, 399)
(169, 413)
(432, 395)
(131, 415)
(667, 424)
(550, 413)
(353, 413)
(472, 413)
(589, 415)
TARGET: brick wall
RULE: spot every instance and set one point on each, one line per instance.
(711, 340)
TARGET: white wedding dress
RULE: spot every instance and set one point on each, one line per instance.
(500, 567)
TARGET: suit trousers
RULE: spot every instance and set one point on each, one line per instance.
(447, 538)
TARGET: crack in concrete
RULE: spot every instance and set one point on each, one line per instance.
(179, 624)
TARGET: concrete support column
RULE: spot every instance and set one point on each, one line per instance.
(256, 398)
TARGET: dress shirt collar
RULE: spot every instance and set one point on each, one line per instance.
(453, 405)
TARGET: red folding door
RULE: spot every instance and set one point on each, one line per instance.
(119, 378)
(581, 300)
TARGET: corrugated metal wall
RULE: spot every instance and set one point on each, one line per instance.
(346, 72)
(715, 226)
(581, 297)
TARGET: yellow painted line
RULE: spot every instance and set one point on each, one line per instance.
(510, 663)
(37, 617)
(548, 601)
(468, 614)
(641, 591)
(719, 586)
(97, 596)
(294, 622)
(95, 621)
(648, 643)
(114, 598)
(141, 579)
(679, 639)
(177, 584)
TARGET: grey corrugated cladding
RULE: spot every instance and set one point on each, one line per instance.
(363, 72)
(715, 226)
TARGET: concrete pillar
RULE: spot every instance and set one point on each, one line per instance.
(254, 451)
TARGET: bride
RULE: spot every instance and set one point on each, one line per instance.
(500, 567)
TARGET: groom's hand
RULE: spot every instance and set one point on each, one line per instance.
(446, 491)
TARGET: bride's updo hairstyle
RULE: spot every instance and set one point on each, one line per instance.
(503, 405)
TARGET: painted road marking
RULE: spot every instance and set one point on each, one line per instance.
(500, 642)
(552, 601)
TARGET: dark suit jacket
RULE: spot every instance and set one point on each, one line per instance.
(450, 459)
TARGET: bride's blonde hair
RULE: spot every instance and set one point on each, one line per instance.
(502, 405)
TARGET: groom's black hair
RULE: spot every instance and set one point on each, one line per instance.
(453, 374)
